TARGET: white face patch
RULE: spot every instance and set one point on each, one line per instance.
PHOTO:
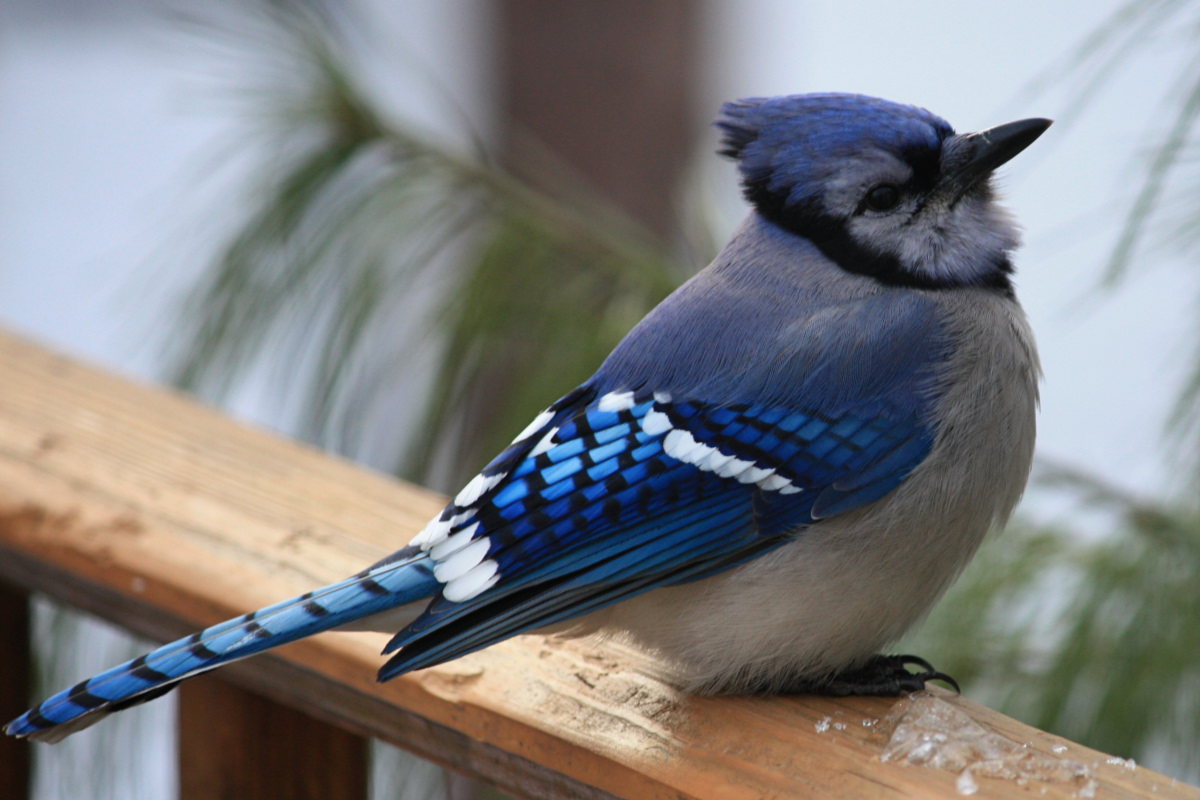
(956, 244)
(932, 237)
(843, 190)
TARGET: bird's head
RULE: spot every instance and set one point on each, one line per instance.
(884, 189)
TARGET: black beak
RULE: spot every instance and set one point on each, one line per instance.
(970, 157)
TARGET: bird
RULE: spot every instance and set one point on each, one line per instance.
(771, 478)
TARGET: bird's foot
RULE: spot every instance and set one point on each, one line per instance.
(882, 676)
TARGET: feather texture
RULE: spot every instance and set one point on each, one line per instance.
(773, 475)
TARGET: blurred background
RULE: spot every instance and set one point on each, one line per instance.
(399, 229)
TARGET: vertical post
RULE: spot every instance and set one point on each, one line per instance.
(15, 679)
(608, 85)
(233, 743)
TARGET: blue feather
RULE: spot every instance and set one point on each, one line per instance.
(796, 379)
(789, 146)
(395, 582)
(605, 510)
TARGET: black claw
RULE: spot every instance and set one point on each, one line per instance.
(917, 660)
(934, 675)
(882, 676)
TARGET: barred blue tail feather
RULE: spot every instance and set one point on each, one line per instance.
(375, 590)
(772, 477)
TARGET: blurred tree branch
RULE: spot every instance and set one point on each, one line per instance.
(1136, 28)
(355, 222)
(1092, 637)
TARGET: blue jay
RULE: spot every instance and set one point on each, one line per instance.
(772, 477)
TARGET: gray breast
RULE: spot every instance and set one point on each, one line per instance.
(848, 586)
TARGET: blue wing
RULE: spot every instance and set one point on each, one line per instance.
(613, 494)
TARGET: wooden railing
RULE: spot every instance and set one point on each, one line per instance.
(145, 508)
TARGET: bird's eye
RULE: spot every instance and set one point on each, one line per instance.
(884, 197)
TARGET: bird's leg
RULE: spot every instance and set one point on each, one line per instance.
(880, 676)
(885, 676)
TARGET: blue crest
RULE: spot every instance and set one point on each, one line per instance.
(785, 145)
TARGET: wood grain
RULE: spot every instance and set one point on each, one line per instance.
(233, 743)
(163, 516)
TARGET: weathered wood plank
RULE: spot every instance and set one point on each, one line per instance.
(233, 743)
(150, 510)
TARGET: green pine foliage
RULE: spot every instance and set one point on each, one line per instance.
(358, 221)
(1092, 636)
(1164, 211)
